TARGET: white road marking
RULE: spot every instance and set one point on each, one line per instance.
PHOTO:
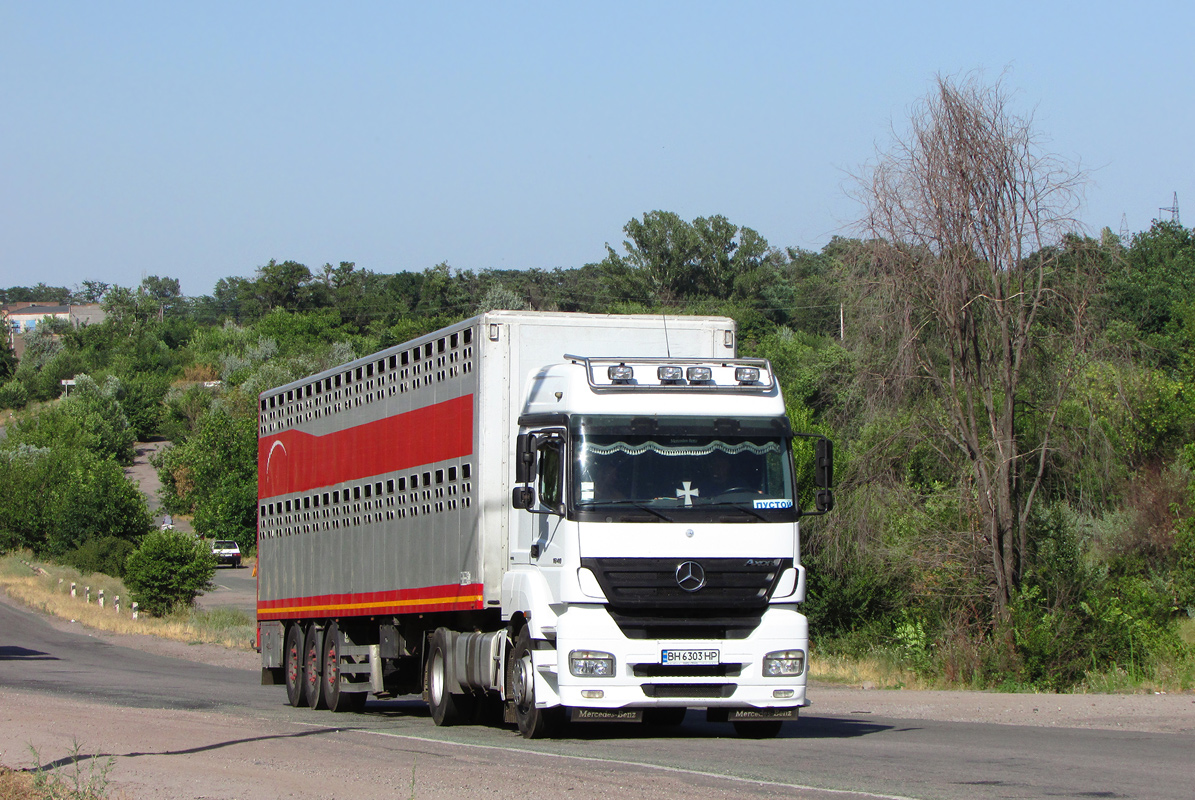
(616, 762)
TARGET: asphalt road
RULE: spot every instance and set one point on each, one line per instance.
(235, 588)
(869, 755)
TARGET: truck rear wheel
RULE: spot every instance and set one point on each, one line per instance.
(534, 723)
(312, 666)
(447, 708)
(292, 666)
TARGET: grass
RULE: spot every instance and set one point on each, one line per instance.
(1186, 629)
(1176, 674)
(47, 587)
(15, 785)
(877, 670)
(889, 668)
(83, 778)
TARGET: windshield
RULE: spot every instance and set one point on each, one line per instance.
(682, 465)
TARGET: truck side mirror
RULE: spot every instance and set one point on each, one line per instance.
(523, 497)
(524, 459)
(823, 468)
(824, 501)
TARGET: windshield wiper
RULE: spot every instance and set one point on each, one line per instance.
(592, 504)
(736, 507)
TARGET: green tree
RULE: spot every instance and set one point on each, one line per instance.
(283, 285)
(168, 571)
(91, 291)
(674, 260)
(8, 360)
(213, 475)
(56, 498)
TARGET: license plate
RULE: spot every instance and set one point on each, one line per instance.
(689, 657)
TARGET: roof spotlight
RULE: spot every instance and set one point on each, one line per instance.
(746, 374)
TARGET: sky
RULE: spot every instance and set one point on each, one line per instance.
(200, 140)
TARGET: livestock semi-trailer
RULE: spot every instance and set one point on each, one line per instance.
(538, 517)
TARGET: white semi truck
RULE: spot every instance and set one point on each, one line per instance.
(539, 517)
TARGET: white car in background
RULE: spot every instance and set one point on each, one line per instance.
(227, 551)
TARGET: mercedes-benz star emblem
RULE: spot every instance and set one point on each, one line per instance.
(690, 576)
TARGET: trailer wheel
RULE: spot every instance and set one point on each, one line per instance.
(534, 723)
(336, 699)
(447, 708)
(330, 680)
(292, 666)
(761, 729)
(312, 662)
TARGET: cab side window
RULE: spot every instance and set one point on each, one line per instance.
(550, 488)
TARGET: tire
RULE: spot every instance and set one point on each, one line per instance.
(447, 708)
(334, 697)
(293, 667)
(313, 664)
(762, 729)
(534, 723)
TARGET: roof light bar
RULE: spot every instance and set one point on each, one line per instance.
(700, 374)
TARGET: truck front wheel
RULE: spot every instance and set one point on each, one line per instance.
(534, 723)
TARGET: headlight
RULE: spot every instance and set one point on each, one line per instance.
(591, 664)
(784, 664)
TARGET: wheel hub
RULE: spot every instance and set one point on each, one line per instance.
(522, 682)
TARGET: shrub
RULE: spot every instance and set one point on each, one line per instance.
(169, 570)
(104, 554)
(13, 394)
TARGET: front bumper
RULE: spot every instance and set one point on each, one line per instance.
(640, 680)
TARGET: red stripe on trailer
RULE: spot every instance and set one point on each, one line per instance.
(293, 461)
(358, 604)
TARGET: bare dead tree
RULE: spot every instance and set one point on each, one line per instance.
(968, 217)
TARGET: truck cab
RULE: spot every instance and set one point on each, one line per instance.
(656, 550)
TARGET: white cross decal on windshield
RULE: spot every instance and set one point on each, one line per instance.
(687, 493)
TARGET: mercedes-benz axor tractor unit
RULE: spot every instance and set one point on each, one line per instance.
(537, 518)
